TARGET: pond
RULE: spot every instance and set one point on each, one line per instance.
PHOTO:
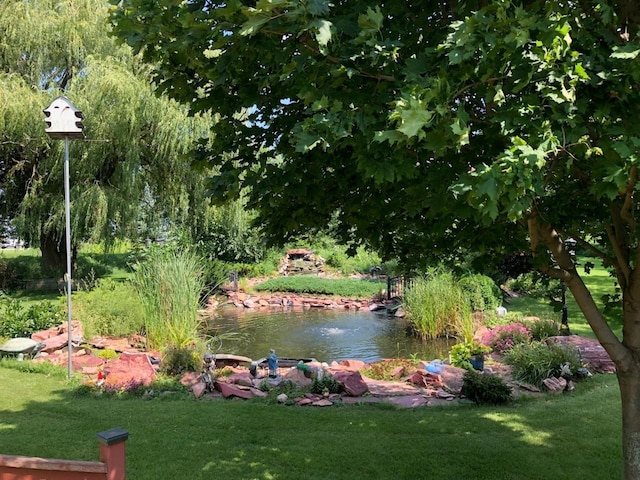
(323, 334)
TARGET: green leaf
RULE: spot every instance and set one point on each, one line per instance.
(626, 52)
(324, 31)
(413, 120)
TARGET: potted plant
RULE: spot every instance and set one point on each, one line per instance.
(469, 355)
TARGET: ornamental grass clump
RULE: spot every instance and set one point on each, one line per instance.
(534, 362)
(437, 307)
(503, 338)
(169, 284)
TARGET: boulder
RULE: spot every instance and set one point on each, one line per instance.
(352, 383)
(198, 389)
(129, 369)
(555, 385)
(348, 365)
(452, 378)
(298, 377)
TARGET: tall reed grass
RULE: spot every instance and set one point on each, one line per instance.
(437, 307)
(169, 283)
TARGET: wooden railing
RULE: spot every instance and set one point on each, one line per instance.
(396, 286)
(110, 467)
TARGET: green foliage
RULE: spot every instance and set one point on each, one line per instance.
(169, 284)
(229, 235)
(485, 389)
(107, 354)
(17, 320)
(542, 329)
(436, 307)
(482, 291)
(345, 287)
(534, 362)
(462, 352)
(179, 360)
(325, 383)
(536, 285)
(382, 369)
(111, 308)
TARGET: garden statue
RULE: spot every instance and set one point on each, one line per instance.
(273, 363)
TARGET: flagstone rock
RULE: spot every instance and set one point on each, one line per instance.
(322, 403)
(352, 383)
(591, 351)
(198, 389)
(407, 401)
(129, 369)
(230, 390)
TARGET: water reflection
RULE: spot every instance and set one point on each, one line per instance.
(326, 335)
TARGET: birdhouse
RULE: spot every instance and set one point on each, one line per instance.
(63, 119)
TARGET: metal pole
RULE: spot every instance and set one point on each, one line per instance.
(68, 245)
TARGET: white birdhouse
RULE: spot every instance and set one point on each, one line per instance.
(63, 119)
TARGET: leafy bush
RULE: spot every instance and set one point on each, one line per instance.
(436, 306)
(17, 320)
(111, 308)
(325, 383)
(482, 292)
(346, 287)
(503, 338)
(484, 388)
(542, 329)
(535, 284)
(534, 362)
(179, 360)
(461, 353)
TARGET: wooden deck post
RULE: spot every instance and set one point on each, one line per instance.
(112, 452)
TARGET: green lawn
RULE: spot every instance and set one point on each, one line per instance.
(571, 436)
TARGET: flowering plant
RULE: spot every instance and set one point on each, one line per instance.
(503, 338)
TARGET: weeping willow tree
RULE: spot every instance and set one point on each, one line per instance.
(137, 142)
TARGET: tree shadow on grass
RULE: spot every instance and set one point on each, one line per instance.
(576, 436)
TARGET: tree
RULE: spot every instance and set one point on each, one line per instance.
(435, 126)
(135, 139)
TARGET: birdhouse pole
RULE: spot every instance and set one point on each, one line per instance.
(64, 122)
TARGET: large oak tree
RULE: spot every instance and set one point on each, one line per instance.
(426, 127)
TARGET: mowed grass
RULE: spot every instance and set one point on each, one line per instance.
(569, 436)
(599, 282)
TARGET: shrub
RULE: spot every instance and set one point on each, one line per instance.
(534, 362)
(325, 383)
(17, 320)
(437, 307)
(111, 308)
(485, 388)
(461, 353)
(502, 338)
(542, 329)
(482, 292)
(179, 360)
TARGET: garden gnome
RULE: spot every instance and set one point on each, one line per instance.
(273, 363)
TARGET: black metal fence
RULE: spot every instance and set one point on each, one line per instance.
(397, 285)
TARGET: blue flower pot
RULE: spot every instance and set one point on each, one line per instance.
(477, 362)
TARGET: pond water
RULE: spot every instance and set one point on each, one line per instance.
(325, 335)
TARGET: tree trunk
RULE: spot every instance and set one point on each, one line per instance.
(54, 255)
(629, 383)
